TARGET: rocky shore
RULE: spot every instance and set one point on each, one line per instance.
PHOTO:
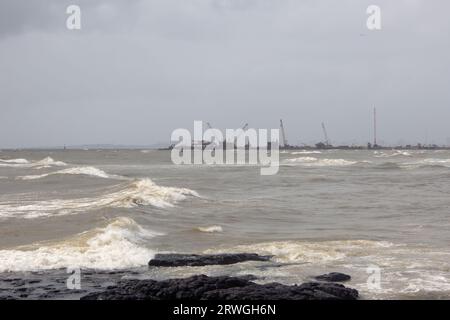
(202, 287)
(122, 284)
(195, 260)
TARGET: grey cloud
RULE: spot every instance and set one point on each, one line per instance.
(137, 70)
(22, 16)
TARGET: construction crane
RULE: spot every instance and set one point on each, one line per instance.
(217, 142)
(244, 128)
(375, 127)
(327, 141)
(283, 134)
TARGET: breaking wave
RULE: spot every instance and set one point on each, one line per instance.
(309, 252)
(396, 153)
(24, 163)
(15, 161)
(142, 192)
(315, 162)
(429, 162)
(412, 271)
(88, 171)
(424, 163)
(210, 229)
(49, 162)
(115, 246)
(307, 152)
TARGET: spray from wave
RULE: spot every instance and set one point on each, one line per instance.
(115, 246)
(142, 192)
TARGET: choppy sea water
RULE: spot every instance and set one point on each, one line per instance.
(347, 211)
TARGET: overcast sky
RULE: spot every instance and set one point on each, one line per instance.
(139, 69)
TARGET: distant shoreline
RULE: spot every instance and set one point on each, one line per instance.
(293, 148)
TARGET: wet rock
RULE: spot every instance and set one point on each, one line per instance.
(333, 277)
(201, 287)
(179, 260)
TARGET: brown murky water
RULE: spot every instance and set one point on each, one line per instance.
(330, 211)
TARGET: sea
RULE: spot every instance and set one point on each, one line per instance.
(381, 216)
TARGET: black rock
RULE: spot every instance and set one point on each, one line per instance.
(178, 260)
(333, 277)
(201, 287)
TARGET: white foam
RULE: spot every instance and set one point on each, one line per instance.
(49, 162)
(395, 153)
(210, 229)
(433, 161)
(406, 270)
(88, 171)
(427, 283)
(307, 152)
(308, 252)
(303, 159)
(116, 246)
(17, 161)
(23, 163)
(315, 162)
(427, 162)
(139, 192)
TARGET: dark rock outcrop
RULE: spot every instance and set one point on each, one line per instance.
(333, 277)
(201, 287)
(194, 260)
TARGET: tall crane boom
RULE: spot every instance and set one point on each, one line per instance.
(283, 134)
(325, 134)
(244, 128)
(374, 127)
